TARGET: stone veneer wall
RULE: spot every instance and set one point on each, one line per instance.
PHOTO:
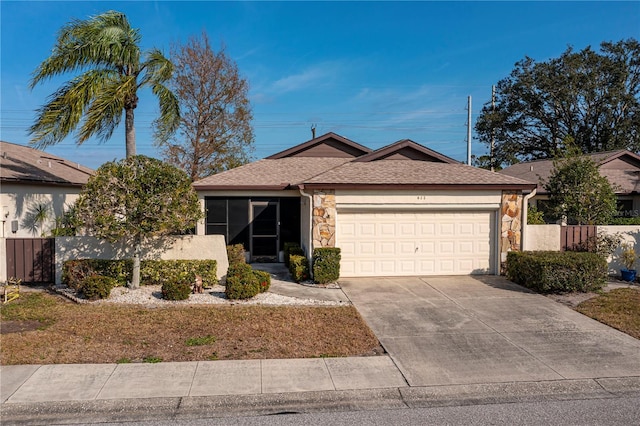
(511, 231)
(324, 219)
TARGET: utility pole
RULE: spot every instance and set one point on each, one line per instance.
(469, 131)
(493, 131)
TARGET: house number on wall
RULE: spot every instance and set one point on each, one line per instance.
(422, 197)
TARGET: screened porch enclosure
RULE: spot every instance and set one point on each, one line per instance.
(261, 224)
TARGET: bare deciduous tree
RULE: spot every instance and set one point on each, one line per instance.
(215, 132)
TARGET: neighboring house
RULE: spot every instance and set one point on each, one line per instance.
(400, 210)
(36, 188)
(621, 168)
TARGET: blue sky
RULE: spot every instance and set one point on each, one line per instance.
(374, 72)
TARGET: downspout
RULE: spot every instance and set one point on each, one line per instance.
(310, 240)
(525, 209)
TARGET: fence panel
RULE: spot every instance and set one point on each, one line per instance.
(572, 236)
(31, 259)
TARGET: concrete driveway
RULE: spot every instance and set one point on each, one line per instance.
(463, 330)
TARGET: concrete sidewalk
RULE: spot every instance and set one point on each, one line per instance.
(94, 393)
(84, 382)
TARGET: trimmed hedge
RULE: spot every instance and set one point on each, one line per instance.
(242, 282)
(176, 290)
(151, 271)
(287, 251)
(299, 268)
(557, 272)
(264, 279)
(235, 254)
(326, 265)
(628, 221)
(97, 287)
(159, 272)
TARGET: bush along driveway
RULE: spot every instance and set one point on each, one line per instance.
(484, 329)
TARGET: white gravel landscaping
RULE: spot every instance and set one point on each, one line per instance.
(152, 296)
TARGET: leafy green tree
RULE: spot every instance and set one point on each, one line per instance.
(137, 198)
(578, 192)
(215, 132)
(591, 97)
(535, 216)
(105, 50)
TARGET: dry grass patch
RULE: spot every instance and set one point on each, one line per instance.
(69, 333)
(618, 308)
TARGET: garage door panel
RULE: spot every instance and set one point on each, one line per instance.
(366, 248)
(366, 230)
(387, 248)
(387, 268)
(406, 230)
(446, 248)
(427, 248)
(416, 243)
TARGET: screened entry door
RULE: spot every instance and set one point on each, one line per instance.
(264, 230)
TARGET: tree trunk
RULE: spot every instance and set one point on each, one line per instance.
(135, 277)
(130, 133)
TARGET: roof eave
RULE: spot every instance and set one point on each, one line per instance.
(40, 182)
(440, 186)
(205, 187)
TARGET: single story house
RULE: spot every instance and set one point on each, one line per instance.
(621, 168)
(36, 188)
(403, 209)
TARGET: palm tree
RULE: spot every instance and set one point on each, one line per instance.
(104, 48)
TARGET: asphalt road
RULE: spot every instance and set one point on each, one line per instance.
(611, 411)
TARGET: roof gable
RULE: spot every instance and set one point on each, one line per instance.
(620, 160)
(329, 145)
(406, 149)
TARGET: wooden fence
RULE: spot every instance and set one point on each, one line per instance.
(31, 259)
(572, 236)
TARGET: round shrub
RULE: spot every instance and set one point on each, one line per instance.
(299, 268)
(97, 287)
(235, 254)
(242, 283)
(264, 280)
(326, 265)
(176, 290)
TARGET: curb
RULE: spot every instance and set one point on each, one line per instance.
(121, 410)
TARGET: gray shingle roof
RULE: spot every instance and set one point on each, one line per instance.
(274, 174)
(22, 164)
(399, 165)
(409, 172)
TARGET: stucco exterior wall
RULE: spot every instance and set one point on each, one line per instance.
(630, 235)
(188, 247)
(542, 237)
(426, 199)
(19, 204)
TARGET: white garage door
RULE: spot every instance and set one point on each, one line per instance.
(416, 243)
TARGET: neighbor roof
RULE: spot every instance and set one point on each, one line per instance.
(402, 165)
(621, 168)
(22, 164)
